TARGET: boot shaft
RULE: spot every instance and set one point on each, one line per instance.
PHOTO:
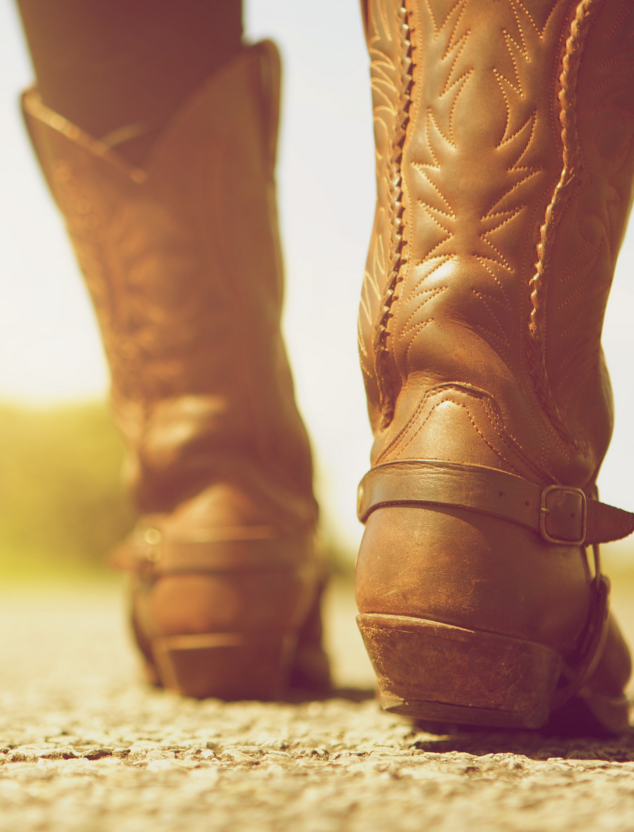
(505, 158)
(182, 260)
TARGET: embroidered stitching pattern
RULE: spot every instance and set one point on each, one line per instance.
(451, 36)
(474, 425)
(397, 257)
(492, 416)
(569, 176)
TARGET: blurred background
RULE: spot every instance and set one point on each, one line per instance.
(61, 503)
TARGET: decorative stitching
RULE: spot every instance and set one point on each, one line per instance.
(419, 167)
(510, 441)
(397, 257)
(532, 120)
(443, 258)
(491, 413)
(513, 146)
(484, 261)
(621, 17)
(563, 191)
(475, 427)
(494, 420)
(432, 294)
(529, 16)
(502, 338)
(460, 45)
(428, 210)
(416, 328)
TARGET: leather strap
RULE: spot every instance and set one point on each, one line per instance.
(153, 553)
(592, 647)
(560, 514)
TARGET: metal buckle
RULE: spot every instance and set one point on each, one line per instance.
(544, 511)
(360, 495)
(148, 546)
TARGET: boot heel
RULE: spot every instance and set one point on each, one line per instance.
(441, 673)
(230, 666)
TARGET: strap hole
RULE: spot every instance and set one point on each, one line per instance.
(501, 494)
(526, 503)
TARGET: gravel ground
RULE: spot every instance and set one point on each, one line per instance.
(85, 746)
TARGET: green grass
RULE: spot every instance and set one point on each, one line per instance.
(62, 502)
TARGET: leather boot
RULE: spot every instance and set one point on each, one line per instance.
(505, 159)
(183, 263)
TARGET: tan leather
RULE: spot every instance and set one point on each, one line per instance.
(182, 259)
(199, 550)
(558, 513)
(505, 159)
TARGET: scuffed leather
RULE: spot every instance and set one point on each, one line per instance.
(183, 264)
(480, 162)
(469, 154)
(182, 260)
(557, 513)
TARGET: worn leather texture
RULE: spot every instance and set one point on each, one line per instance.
(182, 260)
(473, 182)
(556, 512)
(183, 264)
(505, 158)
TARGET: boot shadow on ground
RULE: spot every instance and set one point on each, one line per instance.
(567, 741)
(536, 745)
(301, 697)
(572, 732)
(544, 744)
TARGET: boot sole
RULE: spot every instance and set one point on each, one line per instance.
(440, 673)
(237, 666)
(230, 666)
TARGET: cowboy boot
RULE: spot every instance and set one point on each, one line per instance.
(182, 260)
(505, 159)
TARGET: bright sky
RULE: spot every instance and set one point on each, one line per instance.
(49, 347)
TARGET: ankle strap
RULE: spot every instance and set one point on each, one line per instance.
(560, 514)
(152, 552)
